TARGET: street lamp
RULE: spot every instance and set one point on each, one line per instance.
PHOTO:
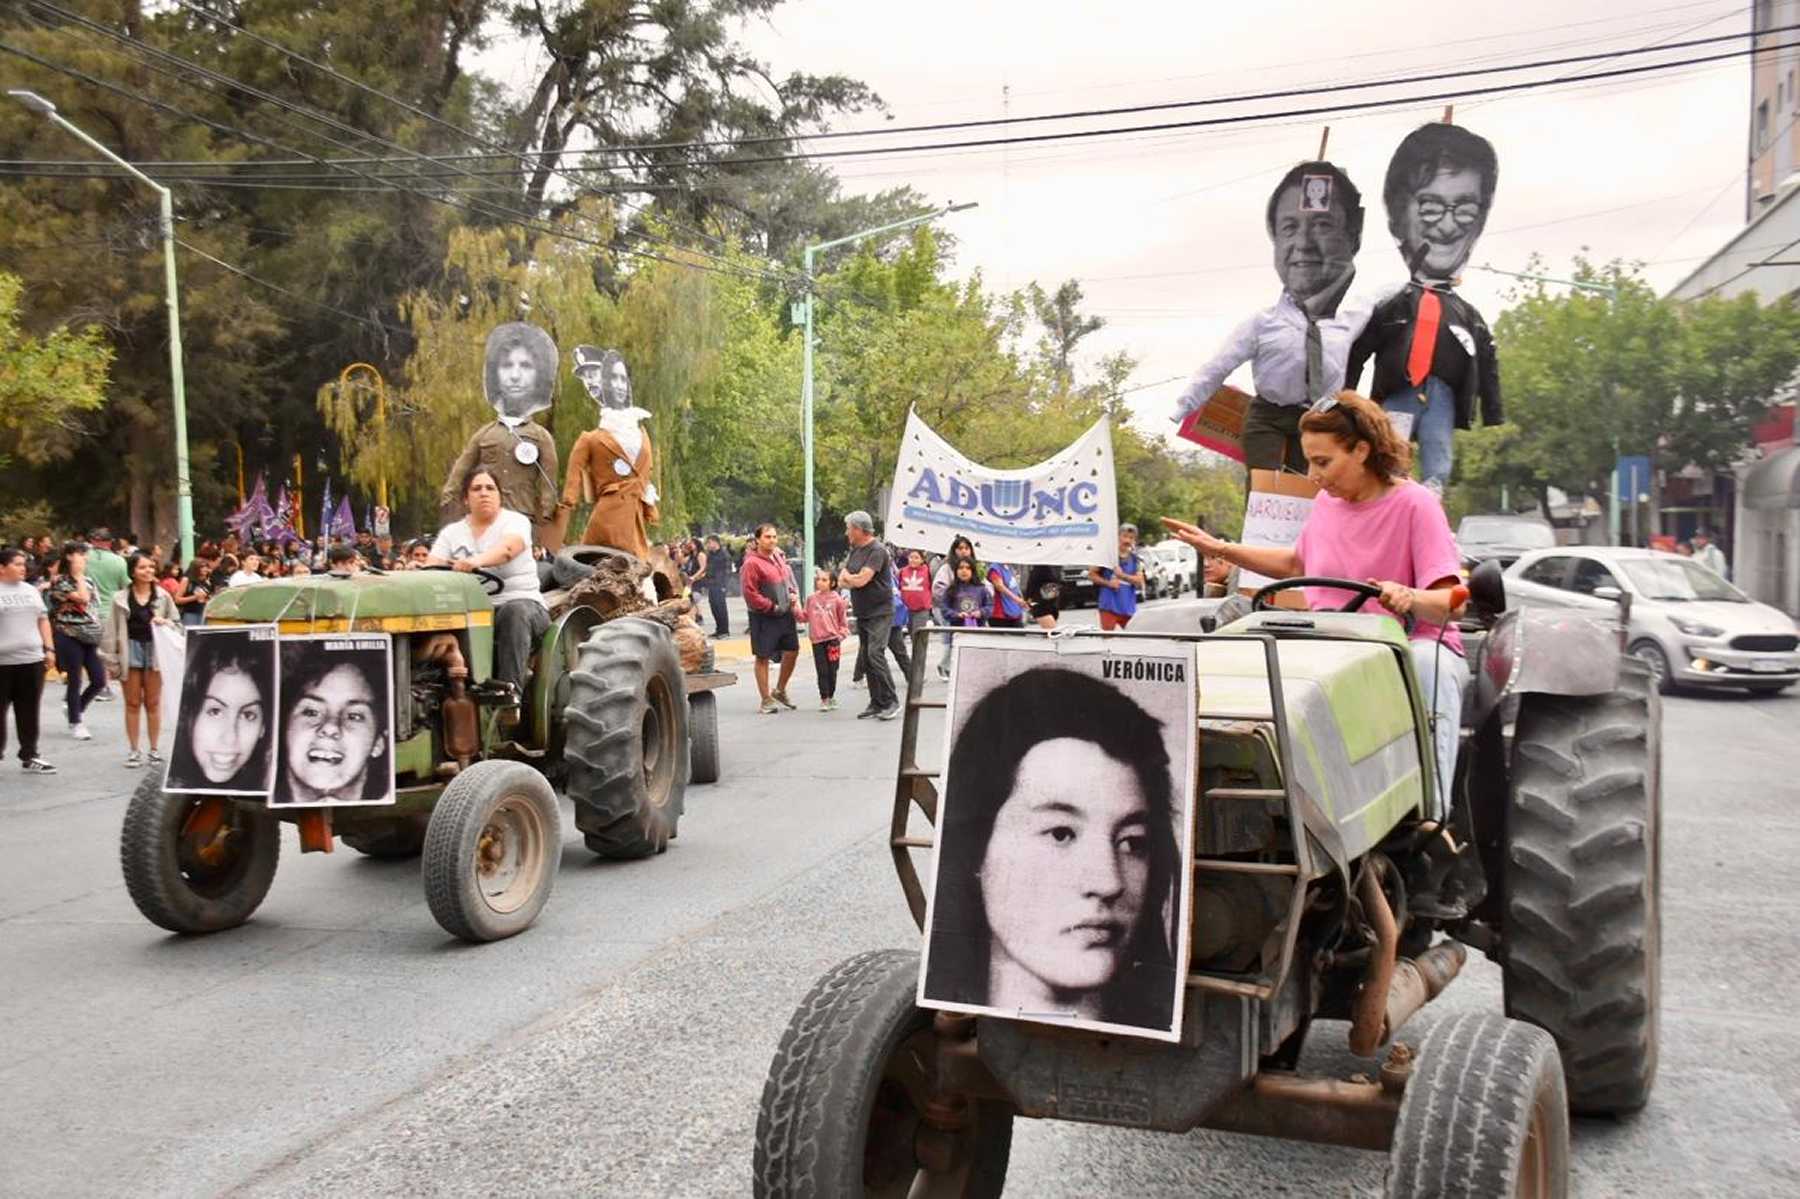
(184, 493)
(806, 386)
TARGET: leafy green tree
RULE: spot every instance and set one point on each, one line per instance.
(48, 385)
(1590, 377)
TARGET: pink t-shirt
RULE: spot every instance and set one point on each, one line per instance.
(1402, 536)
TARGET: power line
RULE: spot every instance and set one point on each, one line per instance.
(358, 84)
(1243, 98)
(1094, 113)
(249, 89)
(479, 208)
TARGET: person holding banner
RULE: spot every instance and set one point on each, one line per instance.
(1118, 595)
(1371, 522)
(1299, 346)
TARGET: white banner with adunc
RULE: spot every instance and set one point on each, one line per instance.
(1063, 511)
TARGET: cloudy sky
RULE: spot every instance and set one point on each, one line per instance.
(1164, 230)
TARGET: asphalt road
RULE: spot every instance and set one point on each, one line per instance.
(341, 1044)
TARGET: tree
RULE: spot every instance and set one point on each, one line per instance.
(645, 76)
(1590, 377)
(47, 384)
(1064, 326)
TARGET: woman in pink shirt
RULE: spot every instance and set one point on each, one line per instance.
(1372, 522)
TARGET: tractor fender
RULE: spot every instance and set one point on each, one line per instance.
(1545, 651)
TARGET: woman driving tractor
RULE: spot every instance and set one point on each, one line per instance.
(1372, 522)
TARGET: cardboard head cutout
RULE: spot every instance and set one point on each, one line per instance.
(1438, 192)
(520, 371)
(1315, 221)
(604, 374)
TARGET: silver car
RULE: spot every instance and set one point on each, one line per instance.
(1692, 627)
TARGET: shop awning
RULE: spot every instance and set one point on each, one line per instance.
(1774, 483)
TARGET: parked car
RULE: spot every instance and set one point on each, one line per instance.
(1159, 581)
(1078, 591)
(1692, 627)
(1179, 563)
(1501, 537)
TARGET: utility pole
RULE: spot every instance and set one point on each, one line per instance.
(184, 491)
(806, 384)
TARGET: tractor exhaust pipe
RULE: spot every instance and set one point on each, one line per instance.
(1394, 990)
(1418, 981)
(1369, 1015)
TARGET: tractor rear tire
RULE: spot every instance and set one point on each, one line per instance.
(196, 863)
(492, 850)
(1581, 946)
(390, 841)
(844, 1096)
(626, 744)
(703, 737)
(1484, 1114)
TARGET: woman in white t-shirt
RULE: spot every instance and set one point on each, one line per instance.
(498, 540)
(26, 650)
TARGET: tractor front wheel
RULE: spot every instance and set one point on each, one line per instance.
(1484, 1114)
(626, 744)
(492, 850)
(196, 863)
(844, 1106)
(1582, 937)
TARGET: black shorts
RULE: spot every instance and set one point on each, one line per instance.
(772, 636)
(1040, 608)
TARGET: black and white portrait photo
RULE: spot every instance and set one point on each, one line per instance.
(336, 720)
(224, 726)
(1438, 192)
(1060, 873)
(520, 371)
(604, 374)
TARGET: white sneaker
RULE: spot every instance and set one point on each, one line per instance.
(133, 760)
(80, 732)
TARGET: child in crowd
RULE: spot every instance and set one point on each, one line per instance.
(915, 583)
(967, 600)
(1008, 611)
(827, 624)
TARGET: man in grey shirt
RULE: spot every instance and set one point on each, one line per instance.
(865, 573)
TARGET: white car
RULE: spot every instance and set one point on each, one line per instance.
(1693, 628)
(1176, 562)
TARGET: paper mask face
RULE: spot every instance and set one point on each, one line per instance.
(1439, 190)
(1313, 240)
(604, 374)
(520, 371)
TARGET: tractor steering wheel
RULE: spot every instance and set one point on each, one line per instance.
(1260, 601)
(491, 583)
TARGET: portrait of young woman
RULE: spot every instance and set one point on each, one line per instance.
(337, 716)
(1059, 884)
(224, 727)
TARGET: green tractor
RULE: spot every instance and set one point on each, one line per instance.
(608, 719)
(1322, 889)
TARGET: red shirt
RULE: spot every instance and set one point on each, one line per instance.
(915, 587)
(760, 572)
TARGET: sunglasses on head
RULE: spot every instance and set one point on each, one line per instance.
(1327, 403)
